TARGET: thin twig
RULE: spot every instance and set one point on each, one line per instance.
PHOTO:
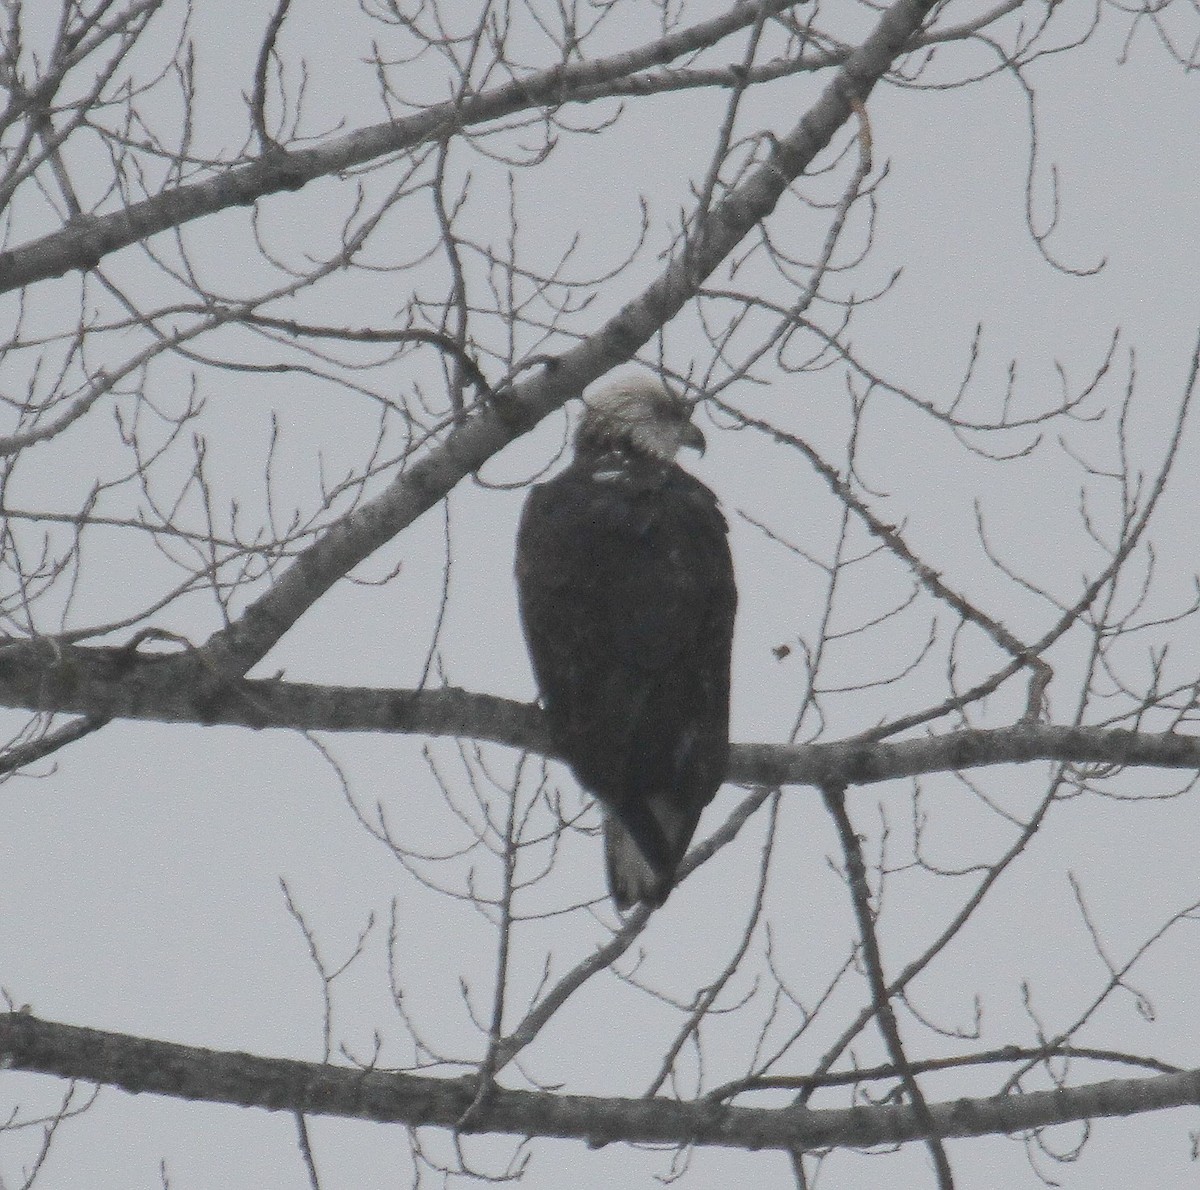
(24, 754)
(306, 1151)
(258, 102)
(835, 799)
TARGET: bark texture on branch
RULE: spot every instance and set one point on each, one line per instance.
(138, 1065)
(118, 684)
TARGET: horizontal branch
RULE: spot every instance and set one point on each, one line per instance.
(115, 683)
(207, 677)
(138, 1065)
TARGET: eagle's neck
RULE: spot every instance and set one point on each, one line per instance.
(615, 449)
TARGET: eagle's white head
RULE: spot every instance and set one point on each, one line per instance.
(638, 413)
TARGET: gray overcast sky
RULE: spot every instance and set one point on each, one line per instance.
(140, 875)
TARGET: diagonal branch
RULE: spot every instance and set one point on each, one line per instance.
(20, 755)
(929, 578)
(88, 239)
(234, 649)
(856, 874)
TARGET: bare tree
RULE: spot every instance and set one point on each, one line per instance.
(292, 321)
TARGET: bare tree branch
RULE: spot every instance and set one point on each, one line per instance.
(116, 684)
(87, 240)
(138, 1066)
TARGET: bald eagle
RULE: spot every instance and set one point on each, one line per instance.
(627, 600)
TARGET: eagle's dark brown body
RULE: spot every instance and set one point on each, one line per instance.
(627, 599)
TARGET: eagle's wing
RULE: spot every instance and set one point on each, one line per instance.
(627, 599)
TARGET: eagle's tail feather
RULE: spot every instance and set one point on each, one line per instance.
(631, 877)
(641, 854)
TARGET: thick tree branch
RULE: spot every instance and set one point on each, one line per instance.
(236, 648)
(87, 240)
(138, 1065)
(115, 683)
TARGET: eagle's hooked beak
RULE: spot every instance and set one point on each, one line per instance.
(693, 437)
